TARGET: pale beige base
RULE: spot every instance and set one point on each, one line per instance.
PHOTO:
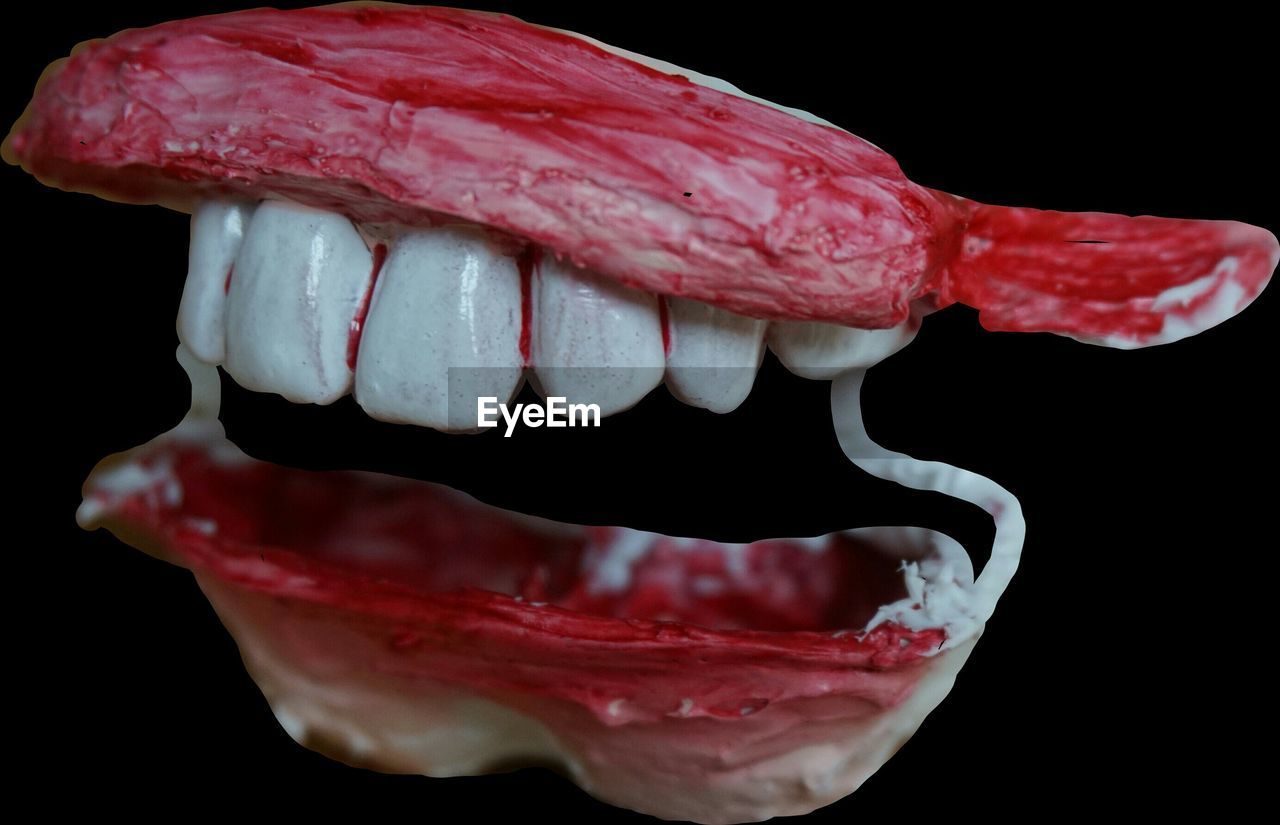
(789, 758)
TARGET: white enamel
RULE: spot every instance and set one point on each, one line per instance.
(300, 279)
(714, 354)
(812, 349)
(217, 231)
(596, 341)
(443, 330)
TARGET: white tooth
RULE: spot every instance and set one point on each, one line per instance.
(300, 281)
(811, 349)
(217, 230)
(714, 354)
(597, 341)
(443, 330)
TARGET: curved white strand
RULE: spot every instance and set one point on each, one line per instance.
(938, 594)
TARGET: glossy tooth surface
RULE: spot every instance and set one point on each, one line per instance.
(443, 330)
(714, 356)
(596, 341)
(300, 281)
(822, 351)
(217, 232)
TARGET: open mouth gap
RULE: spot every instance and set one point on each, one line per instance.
(778, 468)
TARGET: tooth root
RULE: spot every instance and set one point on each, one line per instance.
(300, 280)
(596, 341)
(714, 356)
(217, 231)
(443, 330)
(822, 351)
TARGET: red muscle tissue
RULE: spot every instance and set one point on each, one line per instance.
(404, 115)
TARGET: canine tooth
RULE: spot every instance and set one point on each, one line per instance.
(812, 349)
(714, 354)
(597, 341)
(300, 280)
(443, 330)
(217, 231)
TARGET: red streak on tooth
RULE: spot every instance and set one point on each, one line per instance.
(226, 285)
(666, 325)
(357, 323)
(527, 261)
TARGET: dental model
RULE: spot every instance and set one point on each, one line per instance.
(381, 194)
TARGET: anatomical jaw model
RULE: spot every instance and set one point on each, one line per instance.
(422, 207)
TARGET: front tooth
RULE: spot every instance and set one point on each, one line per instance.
(217, 231)
(300, 280)
(811, 349)
(443, 330)
(714, 354)
(597, 341)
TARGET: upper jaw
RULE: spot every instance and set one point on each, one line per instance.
(785, 218)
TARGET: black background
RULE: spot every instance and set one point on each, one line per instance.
(1126, 659)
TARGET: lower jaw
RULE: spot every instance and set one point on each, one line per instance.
(339, 690)
(403, 626)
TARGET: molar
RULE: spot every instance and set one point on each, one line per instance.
(812, 349)
(714, 356)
